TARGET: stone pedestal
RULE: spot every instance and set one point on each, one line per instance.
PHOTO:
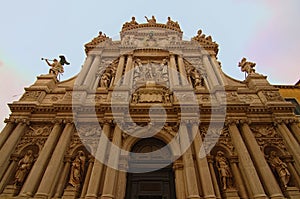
(10, 191)
(70, 193)
(230, 194)
(292, 193)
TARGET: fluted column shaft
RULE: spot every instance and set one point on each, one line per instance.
(296, 131)
(63, 179)
(246, 164)
(119, 71)
(182, 71)
(214, 178)
(9, 146)
(238, 178)
(113, 162)
(179, 180)
(87, 177)
(55, 161)
(6, 132)
(91, 76)
(294, 173)
(189, 170)
(210, 73)
(173, 74)
(292, 144)
(40, 165)
(262, 166)
(121, 182)
(84, 70)
(128, 72)
(203, 168)
(9, 172)
(94, 183)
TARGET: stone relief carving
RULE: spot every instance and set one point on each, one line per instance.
(224, 171)
(31, 95)
(150, 71)
(107, 71)
(77, 170)
(279, 167)
(24, 166)
(267, 136)
(151, 95)
(272, 95)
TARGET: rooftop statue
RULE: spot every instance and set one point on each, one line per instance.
(131, 23)
(172, 23)
(152, 20)
(247, 66)
(57, 66)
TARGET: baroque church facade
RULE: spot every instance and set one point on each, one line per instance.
(151, 116)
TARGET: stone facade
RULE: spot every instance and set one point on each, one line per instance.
(191, 130)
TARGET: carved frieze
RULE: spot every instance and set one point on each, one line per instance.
(267, 136)
(272, 95)
(31, 96)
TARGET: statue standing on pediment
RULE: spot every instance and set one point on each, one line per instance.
(247, 66)
(152, 20)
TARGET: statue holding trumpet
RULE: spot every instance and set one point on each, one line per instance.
(57, 67)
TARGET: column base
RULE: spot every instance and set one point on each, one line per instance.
(230, 194)
(292, 192)
(107, 196)
(10, 191)
(70, 193)
(260, 196)
(193, 197)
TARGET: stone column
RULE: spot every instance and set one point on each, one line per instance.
(87, 176)
(119, 71)
(9, 172)
(294, 174)
(40, 165)
(238, 178)
(188, 162)
(6, 132)
(205, 177)
(213, 176)
(90, 77)
(128, 72)
(179, 179)
(55, 161)
(113, 163)
(173, 74)
(291, 142)
(96, 176)
(182, 71)
(262, 166)
(9, 146)
(246, 164)
(64, 175)
(210, 73)
(84, 70)
(217, 70)
(296, 131)
(121, 183)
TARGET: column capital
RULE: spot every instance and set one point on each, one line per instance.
(245, 121)
(9, 120)
(230, 122)
(178, 165)
(22, 121)
(68, 121)
(233, 159)
(57, 121)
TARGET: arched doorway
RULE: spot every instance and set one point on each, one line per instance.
(158, 184)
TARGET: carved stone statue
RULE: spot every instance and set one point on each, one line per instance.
(77, 170)
(246, 66)
(279, 167)
(224, 170)
(24, 167)
(152, 20)
(57, 66)
(105, 80)
(172, 23)
(132, 23)
(197, 79)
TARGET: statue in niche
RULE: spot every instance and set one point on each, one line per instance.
(224, 170)
(246, 66)
(24, 166)
(152, 20)
(279, 167)
(107, 76)
(77, 170)
(196, 77)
